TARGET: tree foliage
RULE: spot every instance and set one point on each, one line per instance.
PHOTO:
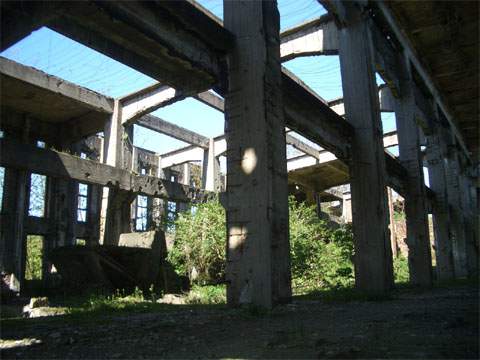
(199, 248)
(321, 257)
(34, 258)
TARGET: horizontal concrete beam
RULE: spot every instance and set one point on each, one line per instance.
(212, 100)
(20, 19)
(164, 127)
(147, 100)
(315, 37)
(385, 97)
(390, 139)
(188, 154)
(61, 165)
(86, 97)
(301, 146)
(310, 116)
(162, 39)
(422, 71)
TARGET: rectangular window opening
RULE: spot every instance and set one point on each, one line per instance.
(82, 206)
(2, 182)
(171, 215)
(141, 213)
(81, 242)
(38, 185)
(34, 258)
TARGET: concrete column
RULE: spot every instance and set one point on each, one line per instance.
(440, 210)
(16, 184)
(418, 240)
(347, 207)
(373, 256)
(457, 229)
(61, 212)
(116, 209)
(14, 211)
(186, 174)
(211, 168)
(258, 255)
(393, 234)
(468, 211)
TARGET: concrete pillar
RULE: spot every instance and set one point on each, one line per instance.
(457, 228)
(116, 209)
(373, 256)
(61, 212)
(186, 174)
(158, 208)
(347, 206)
(468, 212)
(440, 211)
(16, 185)
(393, 234)
(258, 255)
(14, 211)
(418, 240)
(211, 168)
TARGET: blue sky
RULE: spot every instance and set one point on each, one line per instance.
(57, 55)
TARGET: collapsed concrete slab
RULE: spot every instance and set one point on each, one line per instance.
(138, 262)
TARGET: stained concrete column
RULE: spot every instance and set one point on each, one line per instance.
(373, 256)
(211, 168)
(61, 211)
(14, 211)
(440, 211)
(347, 206)
(418, 240)
(393, 233)
(258, 256)
(186, 174)
(471, 228)
(116, 209)
(457, 228)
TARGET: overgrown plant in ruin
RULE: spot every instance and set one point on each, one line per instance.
(321, 256)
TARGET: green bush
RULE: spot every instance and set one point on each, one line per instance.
(320, 256)
(199, 246)
(207, 295)
(400, 269)
(34, 258)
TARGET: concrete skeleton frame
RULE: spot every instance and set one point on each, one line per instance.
(189, 51)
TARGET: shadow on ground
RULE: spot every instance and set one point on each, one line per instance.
(438, 323)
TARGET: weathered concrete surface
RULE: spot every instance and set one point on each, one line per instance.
(139, 261)
(75, 110)
(316, 37)
(440, 209)
(177, 132)
(258, 266)
(418, 240)
(61, 165)
(160, 39)
(373, 256)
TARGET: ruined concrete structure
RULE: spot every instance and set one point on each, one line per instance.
(426, 52)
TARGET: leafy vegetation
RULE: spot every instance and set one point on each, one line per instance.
(400, 269)
(207, 295)
(34, 257)
(199, 249)
(321, 256)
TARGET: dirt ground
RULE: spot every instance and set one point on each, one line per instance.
(440, 323)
